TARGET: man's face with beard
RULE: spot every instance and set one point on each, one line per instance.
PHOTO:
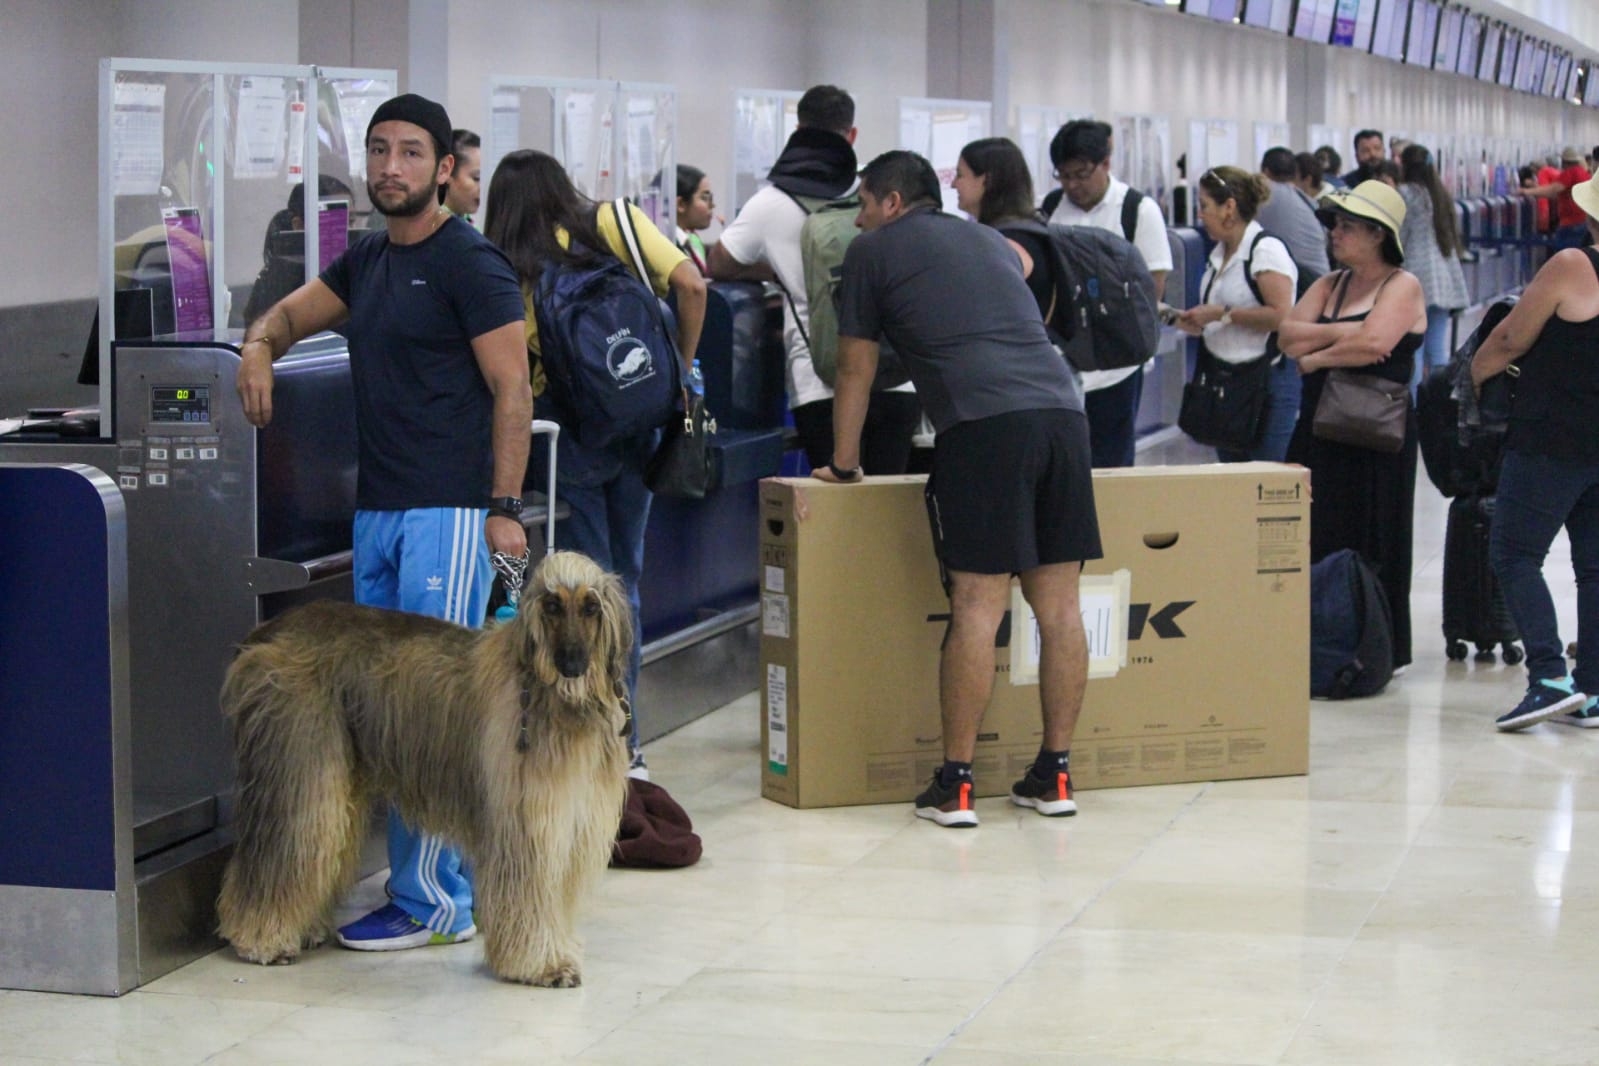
(403, 170)
(1369, 151)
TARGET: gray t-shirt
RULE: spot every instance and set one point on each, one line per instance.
(1291, 218)
(949, 296)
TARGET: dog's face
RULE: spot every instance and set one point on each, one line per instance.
(579, 626)
(571, 624)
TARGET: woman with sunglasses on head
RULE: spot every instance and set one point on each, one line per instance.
(1247, 289)
(1367, 318)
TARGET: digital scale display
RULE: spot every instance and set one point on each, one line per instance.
(180, 403)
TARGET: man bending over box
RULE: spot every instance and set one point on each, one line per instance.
(1011, 490)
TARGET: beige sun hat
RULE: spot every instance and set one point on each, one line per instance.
(1587, 196)
(1371, 201)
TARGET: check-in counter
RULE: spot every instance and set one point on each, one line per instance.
(217, 526)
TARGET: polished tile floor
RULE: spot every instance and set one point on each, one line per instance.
(1428, 895)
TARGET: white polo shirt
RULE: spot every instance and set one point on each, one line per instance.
(1149, 237)
(1228, 285)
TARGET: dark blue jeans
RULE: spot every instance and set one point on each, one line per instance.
(1538, 495)
(604, 487)
(1282, 413)
(1570, 237)
(1113, 421)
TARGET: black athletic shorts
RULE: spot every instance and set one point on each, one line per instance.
(1013, 492)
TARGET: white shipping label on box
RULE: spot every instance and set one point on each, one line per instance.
(777, 718)
(1103, 602)
(774, 616)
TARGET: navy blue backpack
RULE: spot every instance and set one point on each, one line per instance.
(1351, 629)
(609, 356)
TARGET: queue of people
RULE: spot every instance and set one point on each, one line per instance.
(988, 373)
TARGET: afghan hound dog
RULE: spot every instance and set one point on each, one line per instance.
(508, 742)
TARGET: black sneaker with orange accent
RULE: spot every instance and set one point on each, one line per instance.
(948, 805)
(1052, 798)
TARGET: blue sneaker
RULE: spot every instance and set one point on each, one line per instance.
(1544, 699)
(389, 928)
(1584, 717)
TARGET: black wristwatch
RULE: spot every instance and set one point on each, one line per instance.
(844, 475)
(506, 507)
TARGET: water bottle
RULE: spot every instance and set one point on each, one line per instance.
(695, 383)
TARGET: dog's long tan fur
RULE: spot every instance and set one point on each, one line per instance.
(335, 704)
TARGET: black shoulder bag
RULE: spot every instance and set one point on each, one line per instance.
(1224, 406)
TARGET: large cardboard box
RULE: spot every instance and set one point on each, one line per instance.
(1198, 622)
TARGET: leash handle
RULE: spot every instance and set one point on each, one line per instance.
(513, 572)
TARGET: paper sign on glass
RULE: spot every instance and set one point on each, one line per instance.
(138, 117)
(260, 127)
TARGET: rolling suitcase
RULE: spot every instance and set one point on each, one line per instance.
(1474, 607)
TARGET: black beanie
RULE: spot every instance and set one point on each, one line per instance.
(419, 111)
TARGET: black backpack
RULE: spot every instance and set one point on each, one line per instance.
(1254, 286)
(1103, 314)
(1351, 629)
(1461, 451)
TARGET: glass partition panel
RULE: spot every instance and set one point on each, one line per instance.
(161, 156)
(1268, 135)
(1141, 156)
(263, 185)
(763, 121)
(346, 100)
(939, 129)
(199, 224)
(613, 138)
(646, 150)
(1035, 128)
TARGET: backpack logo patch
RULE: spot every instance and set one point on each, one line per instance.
(628, 359)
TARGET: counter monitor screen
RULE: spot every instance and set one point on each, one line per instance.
(1269, 14)
(1470, 43)
(189, 404)
(1423, 40)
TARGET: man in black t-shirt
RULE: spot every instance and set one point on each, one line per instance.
(1011, 489)
(433, 313)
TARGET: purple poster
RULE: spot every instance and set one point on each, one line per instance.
(1344, 22)
(333, 230)
(191, 271)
